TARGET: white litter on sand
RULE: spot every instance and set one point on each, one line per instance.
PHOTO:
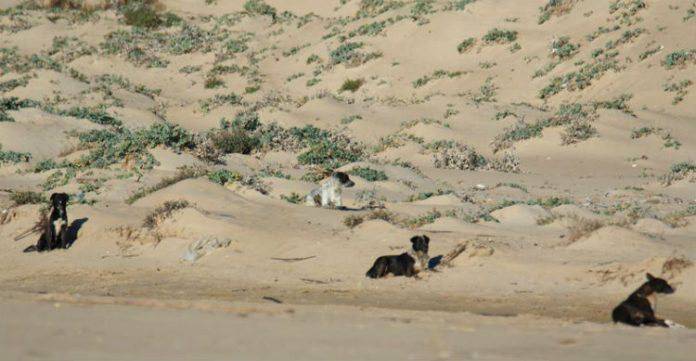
(203, 247)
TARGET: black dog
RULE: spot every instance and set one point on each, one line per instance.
(55, 227)
(406, 264)
(637, 309)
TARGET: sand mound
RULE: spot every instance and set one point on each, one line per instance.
(615, 239)
(201, 192)
(571, 210)
(651, 226)
(520, 215)
(443, 200)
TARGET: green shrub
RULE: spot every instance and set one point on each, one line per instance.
(19, 198)
(234, 140)
(466, 45)
(353, 220)
(292, 198)
(351, 85)
(369, 174)
(555, 8)
(679, 58)
(141, 16)
(679, 171)
(258, 7)
(13, 157)
(500, 36)
(578, 131)
(224, 176)
(328, 154)
(563, 49)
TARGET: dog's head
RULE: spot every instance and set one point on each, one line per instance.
(343, 179)
(659, 285)
(59, 201)
(420, 243)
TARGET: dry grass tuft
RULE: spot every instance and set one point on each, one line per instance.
(581, 227)
(163, 212)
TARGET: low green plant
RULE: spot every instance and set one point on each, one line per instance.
(182, 173)
(13, 157)
(351, 85)
(224, 176)
(499, 36)
(293, 198)
(19, 198)
(369, 174)
(679, 58)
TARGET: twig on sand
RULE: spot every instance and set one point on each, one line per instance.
(292, 259)
(272, 299)
(454, 253)
(37, 227)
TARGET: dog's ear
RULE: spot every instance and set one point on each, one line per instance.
(414, 239)
(649, 276)
(53, 197)
(427, 239)
(67, 197)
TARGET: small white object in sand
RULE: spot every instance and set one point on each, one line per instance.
(480, 187)
(673, 324)
(203, 247)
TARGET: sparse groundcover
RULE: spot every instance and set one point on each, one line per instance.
(19, 198)
(161, 213)
(453, 155)
(563, 49)
(107, 147)
(224, 176)
(680, 171)
(680, 89)
(555, 8)
(458, 5)
(500, 36)
(577, 131)
(618, 103)
(349, 55)
(293, 198)
(182, 173)
(437, 74)
(13, 157)
(679, 59)
(259, 7)
(575, 116)
(466, 45)
(369, 174)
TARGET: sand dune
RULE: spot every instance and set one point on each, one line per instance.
(557, 141)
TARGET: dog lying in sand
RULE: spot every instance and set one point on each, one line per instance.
(54, 231)
(329, 192)
(639, 308)
(407, 264)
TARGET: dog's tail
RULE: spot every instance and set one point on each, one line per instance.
(31, 248)
(377, 270)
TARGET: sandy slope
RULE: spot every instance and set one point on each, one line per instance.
(527, 253)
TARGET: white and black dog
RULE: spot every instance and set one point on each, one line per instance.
(55, 228)
(329, 192)
(407, 264)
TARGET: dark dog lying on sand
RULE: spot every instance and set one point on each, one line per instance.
(406, 264)
(639, 308)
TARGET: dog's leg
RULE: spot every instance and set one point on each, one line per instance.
(64, 236)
